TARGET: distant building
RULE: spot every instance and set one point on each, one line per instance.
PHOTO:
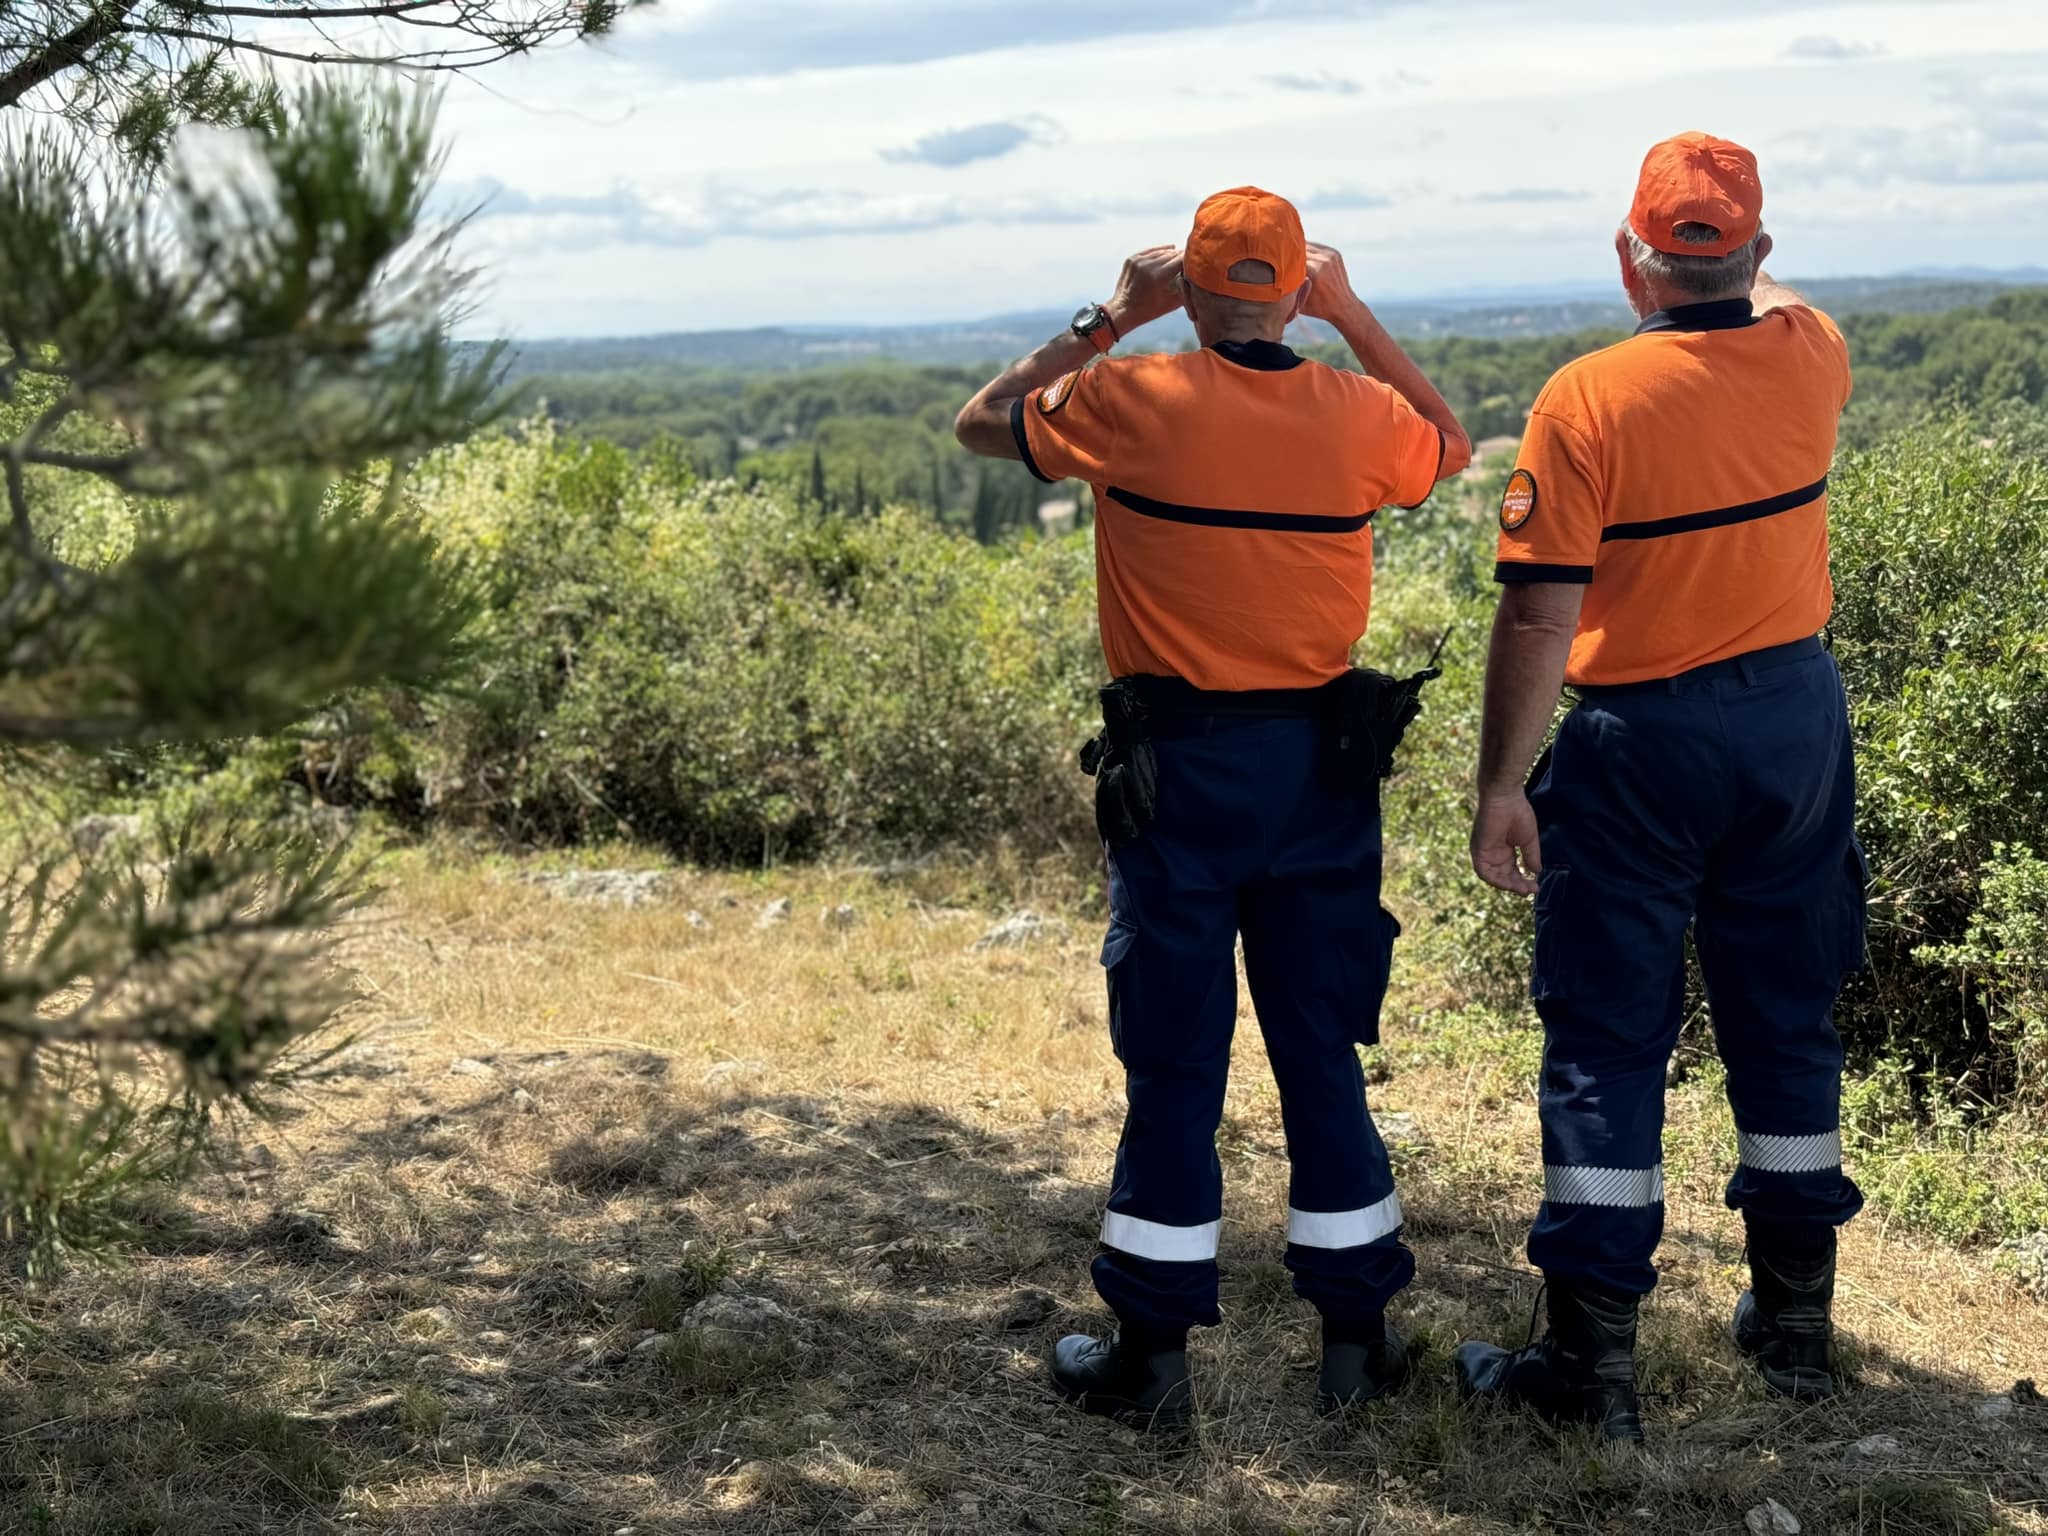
(1487, 453)
(1057, 517)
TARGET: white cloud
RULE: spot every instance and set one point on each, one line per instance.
(1323, 81)
(727, 39)
(1829, 50)
(889, 176)
(1525, 195)
(953, 147)
(1988, 132)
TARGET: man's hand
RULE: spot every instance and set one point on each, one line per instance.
(1330, 295)
(1505, 827)
(1147, 290)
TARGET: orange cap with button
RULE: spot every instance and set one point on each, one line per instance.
(1246, 224)
(1696, 178)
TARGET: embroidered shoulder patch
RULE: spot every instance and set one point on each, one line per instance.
(1057, 393)
(1518, 504)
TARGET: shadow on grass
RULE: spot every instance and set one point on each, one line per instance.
(477, 1321)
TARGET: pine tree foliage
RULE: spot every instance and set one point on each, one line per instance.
(133, 71)
(227, 348)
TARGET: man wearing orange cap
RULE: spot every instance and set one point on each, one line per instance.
(1664, 549)
(1237, 776)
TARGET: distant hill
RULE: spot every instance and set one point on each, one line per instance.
(1499, 316)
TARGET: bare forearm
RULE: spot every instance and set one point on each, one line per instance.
(1525, 667)
(1382, 357)
(1055, 360)
(983, 425)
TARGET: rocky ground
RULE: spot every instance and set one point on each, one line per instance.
(655, 1202)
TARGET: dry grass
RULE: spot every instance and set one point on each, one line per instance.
(422, 1302)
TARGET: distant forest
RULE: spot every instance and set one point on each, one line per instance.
(864, 435)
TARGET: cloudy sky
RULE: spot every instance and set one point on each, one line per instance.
(739, 162)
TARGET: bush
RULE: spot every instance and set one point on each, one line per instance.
(735, 678)
(740, 679)
(1941, 557)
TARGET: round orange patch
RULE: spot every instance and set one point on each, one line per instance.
(1055, 394)
(1518, 504)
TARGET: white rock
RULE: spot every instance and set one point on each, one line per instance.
(605, 887)
(1874, 1446)
(776, 912)
(469, 1066)
(841, 917)
(89, 834)
(2030, 1262)
(653, 1343)
(1020, 929)
(737, 1329)
(1999, 1407)
(429, 1322)
(1771, 1518)
(731, 1071)
(1399, 1129)
(697, 920)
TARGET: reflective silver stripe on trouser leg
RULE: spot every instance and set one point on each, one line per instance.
(1344, 1229)
(1155, 1240)
(1821, 1153)
(1603, 1186)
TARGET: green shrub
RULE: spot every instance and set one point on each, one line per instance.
(1434, 581)
(739, 679)
(1941, 557)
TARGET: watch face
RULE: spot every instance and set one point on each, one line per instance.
(1088, 317)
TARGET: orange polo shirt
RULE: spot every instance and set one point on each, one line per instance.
(1683, 476)
(1234, 490)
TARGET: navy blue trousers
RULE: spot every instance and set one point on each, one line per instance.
(1247, 841)
(1722, 800)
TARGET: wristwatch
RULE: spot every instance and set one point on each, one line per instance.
(1093, 325)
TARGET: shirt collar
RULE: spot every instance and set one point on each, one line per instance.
(1717, 315)
(1265, 356)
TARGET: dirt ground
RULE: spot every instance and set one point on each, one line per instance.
(449, 1289)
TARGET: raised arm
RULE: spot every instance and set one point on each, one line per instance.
(1767, 293)
(1331, 298)
(1148, 289)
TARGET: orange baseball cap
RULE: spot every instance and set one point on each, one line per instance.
(1696, 178)
(1246, 224)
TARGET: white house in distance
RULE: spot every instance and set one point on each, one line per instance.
(1058, 517)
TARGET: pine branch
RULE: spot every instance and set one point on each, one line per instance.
(73, 50)
(439, 61)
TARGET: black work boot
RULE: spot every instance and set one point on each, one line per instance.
(1784, 1322)
(1141, 1382)
(1582, 1371)
(1363, 1360)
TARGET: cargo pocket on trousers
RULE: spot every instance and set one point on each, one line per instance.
(1855, 926)
(1548, 977)
(1116, 948)
(1380, 957)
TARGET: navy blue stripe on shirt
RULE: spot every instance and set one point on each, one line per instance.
(1720, 517)
(1220, 517)
(1508, 572)
(1024, 441)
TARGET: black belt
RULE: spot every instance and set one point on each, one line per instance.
(1744, 666)
(1178, 696)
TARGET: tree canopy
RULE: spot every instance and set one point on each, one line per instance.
(133, 71)
(240, 345)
